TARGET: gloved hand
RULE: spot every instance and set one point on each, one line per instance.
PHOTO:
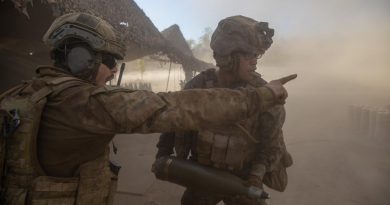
(158, 167)
(276, 86)
(244, 200)
(162, 152)
(254, 181)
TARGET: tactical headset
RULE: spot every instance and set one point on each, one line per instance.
(80, 58)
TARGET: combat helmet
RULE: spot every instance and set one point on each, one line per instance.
(240, 34)
(95, 31)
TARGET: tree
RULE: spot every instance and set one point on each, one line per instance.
(201, 49)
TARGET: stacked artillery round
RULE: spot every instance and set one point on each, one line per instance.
(138, 86)
(371, 122)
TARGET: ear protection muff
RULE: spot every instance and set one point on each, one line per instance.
(80, 58)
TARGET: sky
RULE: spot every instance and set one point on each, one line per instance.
(289, 18)
(346, 42)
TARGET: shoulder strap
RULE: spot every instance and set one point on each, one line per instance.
(16, 88)
(54, 85)
(110, 89)
(60, 80)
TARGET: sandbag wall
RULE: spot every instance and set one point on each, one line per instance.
(138, 86)
(372, 122)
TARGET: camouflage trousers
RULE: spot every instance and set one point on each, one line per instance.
(191, 197)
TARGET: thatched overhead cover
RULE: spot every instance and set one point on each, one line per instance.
(140, 35)
(138, 32)
(175, 37)
(179, 51)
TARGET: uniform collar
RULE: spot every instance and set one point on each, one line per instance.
(43, 71)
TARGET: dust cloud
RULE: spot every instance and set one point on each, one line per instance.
(340, 51)
(342, 66)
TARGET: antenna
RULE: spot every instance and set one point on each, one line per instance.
(120, 74)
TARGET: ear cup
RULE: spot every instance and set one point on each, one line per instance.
(80, 59)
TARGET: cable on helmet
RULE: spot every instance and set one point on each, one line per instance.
(80, 42)
(239, 34)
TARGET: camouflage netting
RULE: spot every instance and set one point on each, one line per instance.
(176, 38)
(139, 33)
(182, 51)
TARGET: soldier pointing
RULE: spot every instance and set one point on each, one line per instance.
(58, 153)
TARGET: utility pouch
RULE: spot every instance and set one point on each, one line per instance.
(218, 152)
(204, 147)
(53, 190)
(97, 182)
(15, 196)
(236, 153)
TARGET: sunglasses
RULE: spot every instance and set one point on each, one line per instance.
(109, 60)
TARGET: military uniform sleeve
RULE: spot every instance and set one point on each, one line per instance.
(271, 147)
(147, 112)
(273, 155)
(269, 129)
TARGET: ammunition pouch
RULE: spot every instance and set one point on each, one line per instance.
(97, 182)
(224, 151)
(53, 190)
(95, 185)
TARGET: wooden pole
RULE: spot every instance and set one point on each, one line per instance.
(354, 114)
(364, 121)
(372, 122)
(382, 125)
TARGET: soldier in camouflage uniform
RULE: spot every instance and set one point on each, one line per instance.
(56, 127)
(255, 151)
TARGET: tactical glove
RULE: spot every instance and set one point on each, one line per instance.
(244, 200)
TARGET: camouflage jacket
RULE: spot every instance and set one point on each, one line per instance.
(271, 149)
(78, 122)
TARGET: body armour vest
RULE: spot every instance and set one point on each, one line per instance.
(23, 180)
(231, 148)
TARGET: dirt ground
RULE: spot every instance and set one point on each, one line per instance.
(327, 169)
(331, 164)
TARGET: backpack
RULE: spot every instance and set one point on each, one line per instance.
(21, 108)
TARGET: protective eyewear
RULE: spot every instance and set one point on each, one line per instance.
(109, 60)
(250, 56)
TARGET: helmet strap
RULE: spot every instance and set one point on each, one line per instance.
(228, 74)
